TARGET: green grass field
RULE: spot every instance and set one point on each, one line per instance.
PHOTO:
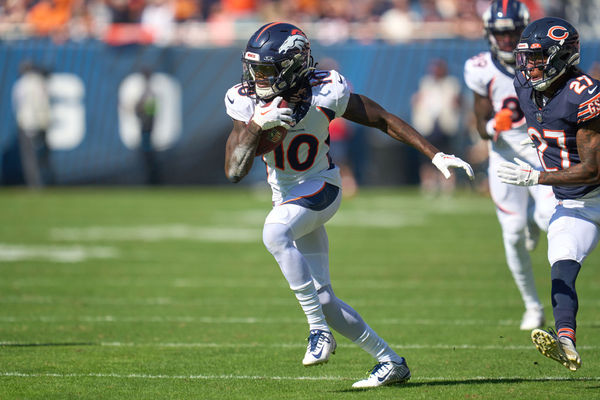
(169, 293)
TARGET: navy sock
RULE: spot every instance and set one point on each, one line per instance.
(564, 297)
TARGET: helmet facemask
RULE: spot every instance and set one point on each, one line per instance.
(271, 79)
(552, 62)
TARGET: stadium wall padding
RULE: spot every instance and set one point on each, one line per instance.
(387, 73)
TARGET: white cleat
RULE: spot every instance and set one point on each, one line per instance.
(532, 236)
(533, 318)
(321, 345)
(385, 373)
(559, 349)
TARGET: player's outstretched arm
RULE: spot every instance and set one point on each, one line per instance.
(240, 149)
(365, 111)
(587, 172)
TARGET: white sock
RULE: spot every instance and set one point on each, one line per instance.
(309, 301)
(519, 263)
(370, 342)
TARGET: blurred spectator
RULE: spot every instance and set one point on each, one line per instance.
(158, 19)
(240, 8)
(31, 105)
(224, 22)
(436, 115)
(125, 25)
(50, 17)
(398, 22)
(185, 10)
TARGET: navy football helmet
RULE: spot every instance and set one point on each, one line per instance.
(277, 59)
(505, 17)
(549, 44)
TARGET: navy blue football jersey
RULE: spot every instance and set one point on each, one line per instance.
(553, 128)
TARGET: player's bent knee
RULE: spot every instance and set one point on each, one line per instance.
(276, 237)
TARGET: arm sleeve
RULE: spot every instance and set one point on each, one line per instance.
(588, 102)
(336, 93)
(238, 107)
(474, 78)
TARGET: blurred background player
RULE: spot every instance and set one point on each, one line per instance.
(31, 104)
(521, 211)
(145, 111)
(562, 106)
(306, 184)
(436, 114)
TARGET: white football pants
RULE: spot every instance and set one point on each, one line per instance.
(516, 207)
(574, 229)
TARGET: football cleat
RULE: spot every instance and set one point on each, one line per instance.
(385, 373)
(559, 349)
(533, 318)
(321, 345)
(532, 236)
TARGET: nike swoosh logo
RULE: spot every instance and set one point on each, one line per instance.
(231, 101)
(263, 113)
(590, 91)
(318, 355)
(340, 80)
(381, 379)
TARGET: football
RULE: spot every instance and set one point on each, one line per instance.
(270, 139)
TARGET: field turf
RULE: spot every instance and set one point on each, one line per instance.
(169, 293)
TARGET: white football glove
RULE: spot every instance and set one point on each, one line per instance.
(520, 174)
(444, 161)
(269, 116)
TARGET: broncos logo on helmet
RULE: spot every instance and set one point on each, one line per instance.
(293, 42)
(276, 60)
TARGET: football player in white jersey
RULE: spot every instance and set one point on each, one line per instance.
(306, 184)
(521, 211)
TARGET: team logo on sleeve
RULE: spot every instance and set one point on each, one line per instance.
(555, 33)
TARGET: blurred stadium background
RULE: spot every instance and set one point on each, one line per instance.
(95, 51)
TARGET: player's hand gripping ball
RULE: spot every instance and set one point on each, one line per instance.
(271, 138)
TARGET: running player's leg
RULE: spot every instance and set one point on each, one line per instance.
(390, 367)
(340, 316)
(303, 211)
(511, 209)
(573, 233)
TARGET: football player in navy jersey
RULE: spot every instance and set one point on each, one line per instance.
(306, 184)
(562, 107)
(521, 211)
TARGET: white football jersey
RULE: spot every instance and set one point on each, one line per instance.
(304, 153)
(486, 77)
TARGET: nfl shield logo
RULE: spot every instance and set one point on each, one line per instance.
(538, 116)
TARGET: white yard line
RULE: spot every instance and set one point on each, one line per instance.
(154, 233)
(280, 378)
(341, 345)
(483, 284)
(254, 320)
(265, 301)
(201, 345)
(65, 254)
